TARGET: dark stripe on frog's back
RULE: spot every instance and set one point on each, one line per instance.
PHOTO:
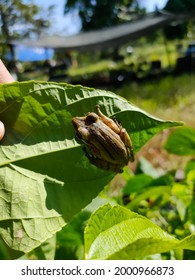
(102, 135)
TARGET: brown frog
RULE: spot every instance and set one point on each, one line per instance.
(108, 142)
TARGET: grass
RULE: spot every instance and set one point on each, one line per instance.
(167, 97)
(143, 52)
(98, 67)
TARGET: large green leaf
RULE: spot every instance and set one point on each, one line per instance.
(45, 178)
(117, 233)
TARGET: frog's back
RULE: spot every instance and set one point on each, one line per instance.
(109, 144)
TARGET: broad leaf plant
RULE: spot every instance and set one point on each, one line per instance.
(46, 179)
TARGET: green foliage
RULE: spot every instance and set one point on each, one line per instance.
(179, 31)
(178, 6)
(117, 233)
(46, 251)
(18, 13)
(181, 141)
(164, 96)
(70, 240)
(166, 231)
(101, 14)
(45, 176)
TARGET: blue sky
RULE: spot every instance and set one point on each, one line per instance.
(70, 24)
(150, 4)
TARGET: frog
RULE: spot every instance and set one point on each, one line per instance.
(108, 145)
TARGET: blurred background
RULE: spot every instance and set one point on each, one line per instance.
(143, 51)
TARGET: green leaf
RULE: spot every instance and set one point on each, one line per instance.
(146, 188)
(72, 233)
(4, 253)
(45, 177)
(137, 183)
(181, 141)
(190, 166)
(141, 182)
(46, 251)
(70, 240)
(117, 233)
(182, 195)
(148, 194)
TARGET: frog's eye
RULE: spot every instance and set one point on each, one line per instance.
(91, 118)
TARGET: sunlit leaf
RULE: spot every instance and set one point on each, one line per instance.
(45, 177)
(181, 141)
(117, 233)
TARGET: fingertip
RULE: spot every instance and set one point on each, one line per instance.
(2, 130)
(5, 76)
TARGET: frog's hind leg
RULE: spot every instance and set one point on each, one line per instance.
(128, 144)
(109, 122)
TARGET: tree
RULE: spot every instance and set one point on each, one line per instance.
(99, 14)
(178, 6)
(19, 20)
